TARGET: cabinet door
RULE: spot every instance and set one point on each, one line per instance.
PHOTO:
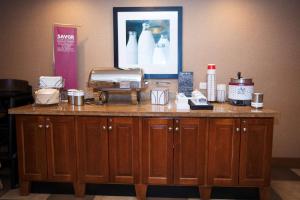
(189, 152)
(31, 140)
(223, 152)
(157, 151)
(92, 140)
(123, 149)
(61, 153)
(256, 151)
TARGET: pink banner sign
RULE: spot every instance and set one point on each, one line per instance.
(65, 55)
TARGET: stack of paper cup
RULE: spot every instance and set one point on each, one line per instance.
(221, 93)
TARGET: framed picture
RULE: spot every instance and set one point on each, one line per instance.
(149, 38)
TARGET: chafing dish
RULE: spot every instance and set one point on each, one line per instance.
(105, 80)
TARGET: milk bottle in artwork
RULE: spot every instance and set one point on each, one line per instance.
(146, 45)
(159, 56)
(132, 49)
(163, 41)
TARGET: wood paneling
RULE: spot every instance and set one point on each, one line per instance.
(256, 151)
(108, 149)
(157, 151)
(123, 149)
(60, 132)
(163, 151)
(92, 149)
(189, 152)
(46, 149)
(240, 151)
(223, 157)
(31, 139)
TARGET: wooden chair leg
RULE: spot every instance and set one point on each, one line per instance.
(205, 192)
(141, 191)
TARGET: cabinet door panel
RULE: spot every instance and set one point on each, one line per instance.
(223, 156)
(61, 148)
(123, 149)
(157, 151)
(189, 154)
(31, 141)
(92, 140)
(256, 151)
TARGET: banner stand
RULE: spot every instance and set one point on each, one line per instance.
(65, 53)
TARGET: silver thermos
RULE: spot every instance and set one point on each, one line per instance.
(257, 100)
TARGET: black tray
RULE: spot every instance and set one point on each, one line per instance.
(200, 107)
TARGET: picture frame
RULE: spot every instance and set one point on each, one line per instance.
(149, 38)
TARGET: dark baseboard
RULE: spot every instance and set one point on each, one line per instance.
(153, 191)
(286, 162)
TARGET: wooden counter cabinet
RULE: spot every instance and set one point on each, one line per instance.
(46, 149)
(143, 145)
(108, 150)
(240, 152)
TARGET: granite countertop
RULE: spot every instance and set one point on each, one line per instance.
(143, 109)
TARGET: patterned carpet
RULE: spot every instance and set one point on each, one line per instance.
(285, 186)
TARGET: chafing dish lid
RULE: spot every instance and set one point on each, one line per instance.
(116, 75)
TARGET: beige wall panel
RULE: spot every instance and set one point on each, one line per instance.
(260, 38)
